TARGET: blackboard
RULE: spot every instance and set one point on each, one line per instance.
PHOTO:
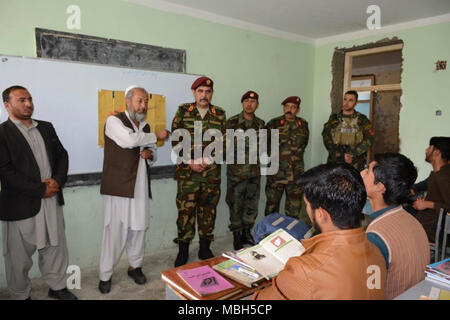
(75, 47)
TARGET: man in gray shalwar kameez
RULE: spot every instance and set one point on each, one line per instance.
(33, 170)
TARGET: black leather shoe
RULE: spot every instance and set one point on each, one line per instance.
(247, 237)
(183, 254)
(237, 240)
(62, 294)
(104, 286)
(205, 252)
(137, 276)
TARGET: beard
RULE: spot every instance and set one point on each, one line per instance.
(137, 116)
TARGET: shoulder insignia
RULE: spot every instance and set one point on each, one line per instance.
(371, 132)
(191, 107)
(213, 110)
(299, 122)
(174, 120)
(282, 122)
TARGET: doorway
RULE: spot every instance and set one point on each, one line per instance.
(374, 71)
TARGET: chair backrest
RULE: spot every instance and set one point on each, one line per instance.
(435, 246)
(446, 233)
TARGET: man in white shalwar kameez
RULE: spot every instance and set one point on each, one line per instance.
(130, 149)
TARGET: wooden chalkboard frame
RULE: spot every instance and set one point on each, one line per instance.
(53, 44)
(95, 178)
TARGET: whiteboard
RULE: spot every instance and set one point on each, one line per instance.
(66, 94)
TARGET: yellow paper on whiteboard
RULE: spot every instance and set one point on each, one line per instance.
(110, 102)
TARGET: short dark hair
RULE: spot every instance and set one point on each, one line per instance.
(443, 145)
(337, 188)
(353, 92)
(7, 91)
(398, 175)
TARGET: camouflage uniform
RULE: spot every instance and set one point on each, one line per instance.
(351, 134)
(197, 193)
(294, 138)
(243, 180)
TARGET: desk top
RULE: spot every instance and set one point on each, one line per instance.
(183, 290)
(421, 289)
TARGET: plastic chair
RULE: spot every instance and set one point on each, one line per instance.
(435, 246)
(446, 233)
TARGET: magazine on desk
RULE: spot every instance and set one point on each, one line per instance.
(270, 255)
(239, 273)
(204, 280)
(439, 272)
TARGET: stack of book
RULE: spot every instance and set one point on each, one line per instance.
(199, 281)
(439, 272)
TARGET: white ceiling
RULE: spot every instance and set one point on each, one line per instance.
(306, 20)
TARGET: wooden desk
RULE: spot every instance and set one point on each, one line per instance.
(421, 289)
(181, 290)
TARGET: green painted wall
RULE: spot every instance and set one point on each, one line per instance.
(237, 60)
(424, 91)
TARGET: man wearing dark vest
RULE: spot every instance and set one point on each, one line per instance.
(130, 149)
(33, 170)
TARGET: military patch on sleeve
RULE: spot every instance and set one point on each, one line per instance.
(191, 108)
(282, 122)
(299, 123)
(213, 110)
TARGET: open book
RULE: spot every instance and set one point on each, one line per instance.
(270, 255)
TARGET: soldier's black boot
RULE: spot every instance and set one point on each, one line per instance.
(205, 252)
(247, 237)
(237, 240)
(183, 254)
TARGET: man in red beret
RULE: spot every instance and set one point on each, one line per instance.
(244, 180)
(198, 181)
(293, 135)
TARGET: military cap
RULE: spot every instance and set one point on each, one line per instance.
(292, 99)
(202, 81)
(250, 94)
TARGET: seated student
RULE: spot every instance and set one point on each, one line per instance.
(338, 263)
(399, 236)
(438, 186)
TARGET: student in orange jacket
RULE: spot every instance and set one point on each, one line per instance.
(338, 263)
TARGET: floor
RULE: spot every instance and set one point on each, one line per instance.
(123, 287)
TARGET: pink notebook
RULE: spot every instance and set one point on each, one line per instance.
(204, 280)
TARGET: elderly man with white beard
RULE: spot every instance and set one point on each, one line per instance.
(130, 149)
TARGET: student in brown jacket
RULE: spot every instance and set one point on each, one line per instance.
(338, 263)
(438, 186)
